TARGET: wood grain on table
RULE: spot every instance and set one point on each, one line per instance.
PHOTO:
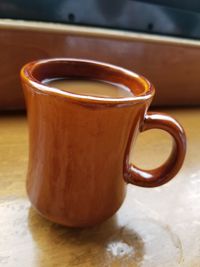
(157, 227)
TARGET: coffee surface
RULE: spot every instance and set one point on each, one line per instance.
(90, 87)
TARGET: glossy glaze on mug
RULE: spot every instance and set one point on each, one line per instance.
(79, 145)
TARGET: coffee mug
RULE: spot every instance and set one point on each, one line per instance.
(79, 145)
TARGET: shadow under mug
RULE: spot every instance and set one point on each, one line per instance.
(79, 145)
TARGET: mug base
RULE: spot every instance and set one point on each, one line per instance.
(74, 224)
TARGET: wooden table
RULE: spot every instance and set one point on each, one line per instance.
(154, 228)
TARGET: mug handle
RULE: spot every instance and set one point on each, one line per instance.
(164, 173)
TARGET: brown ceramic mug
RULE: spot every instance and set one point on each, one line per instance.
(79, 145)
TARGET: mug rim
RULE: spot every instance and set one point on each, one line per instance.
(27, 76)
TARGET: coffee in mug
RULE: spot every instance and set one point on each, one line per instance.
(90, 87)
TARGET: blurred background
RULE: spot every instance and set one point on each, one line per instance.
(158, 38)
